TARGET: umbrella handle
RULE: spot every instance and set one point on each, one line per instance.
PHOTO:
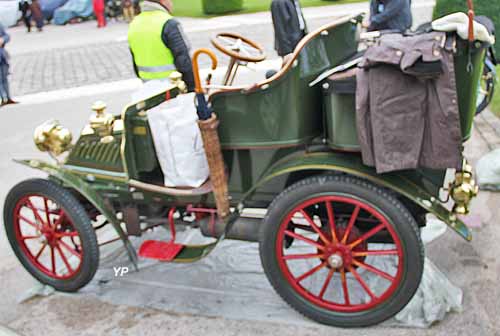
(471, 15)
(196, 69)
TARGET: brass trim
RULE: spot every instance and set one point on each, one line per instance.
(140, 130)
(87, 130)
(118, 126)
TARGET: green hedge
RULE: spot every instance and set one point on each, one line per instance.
(221, 6)
(490, 8)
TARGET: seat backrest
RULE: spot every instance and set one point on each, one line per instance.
(283, 110)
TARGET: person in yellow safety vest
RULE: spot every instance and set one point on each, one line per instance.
(158, 45)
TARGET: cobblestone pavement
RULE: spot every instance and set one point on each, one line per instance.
(106, 62)
(54, 68)
(63, 68)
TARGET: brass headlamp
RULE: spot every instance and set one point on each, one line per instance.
(52, 137)
(463, 190)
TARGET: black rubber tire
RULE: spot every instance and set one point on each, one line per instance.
(398, 216)
(490, 83)
(80, 220)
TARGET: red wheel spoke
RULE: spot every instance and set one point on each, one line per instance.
(311, 272)
(314, 226)
(67, 234)
(362, 283)
(352, 220)
(59, 220)
(70, 249)
(302, 256)
(53, 260)
(304, 239)
(374, 253)
(344, 287)
(331, 222)
(64, 259)
(374, 270)
(44, 245)
(36, 226)
(367, 235)
(29, 237)
(327, 282)
(35, 212)
(47, 213)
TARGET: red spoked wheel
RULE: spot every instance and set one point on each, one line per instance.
(346, 253)
(47, 236)
(338, 255)
(51, 234)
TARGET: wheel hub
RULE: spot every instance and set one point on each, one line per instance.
(339, 255)
(335, 261)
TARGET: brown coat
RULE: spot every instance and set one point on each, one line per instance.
(408, 118)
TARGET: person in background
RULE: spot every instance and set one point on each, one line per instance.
(158, 45)
(99, 13)
(4, 68)
(137, 7)
(113, 9)
(36, 12)
(25, 8)
(390, 15)
(128, 10)
(289, 26)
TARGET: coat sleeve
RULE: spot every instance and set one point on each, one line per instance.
(136, 71)
(4, 35)
(392, 8)
(281, 14)
(174, 39)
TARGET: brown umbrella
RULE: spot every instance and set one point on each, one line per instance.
(208, 124)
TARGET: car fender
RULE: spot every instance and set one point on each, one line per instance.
(77, 183)
(351, 164)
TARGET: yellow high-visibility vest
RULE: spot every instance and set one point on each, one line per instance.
(152, 58)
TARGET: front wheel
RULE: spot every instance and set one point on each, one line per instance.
(51, 234)
(341, 251)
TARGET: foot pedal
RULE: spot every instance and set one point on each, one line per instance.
(158, 250)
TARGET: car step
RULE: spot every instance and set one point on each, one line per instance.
(160, 250)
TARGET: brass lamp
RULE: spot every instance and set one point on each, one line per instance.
(463, 190)
(102, 123)
(52, 137)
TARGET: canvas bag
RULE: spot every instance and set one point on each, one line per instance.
(178, 142)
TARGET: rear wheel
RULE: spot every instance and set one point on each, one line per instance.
(341, 251)
(51, 234)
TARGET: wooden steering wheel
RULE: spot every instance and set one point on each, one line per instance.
(239, 47)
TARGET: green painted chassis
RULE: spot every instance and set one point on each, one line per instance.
(271, 138)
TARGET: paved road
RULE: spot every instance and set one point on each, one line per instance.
(52, 60)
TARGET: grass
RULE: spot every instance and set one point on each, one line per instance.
(192, 8)
(495, 104)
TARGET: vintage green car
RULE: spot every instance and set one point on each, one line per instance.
(288, 147)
